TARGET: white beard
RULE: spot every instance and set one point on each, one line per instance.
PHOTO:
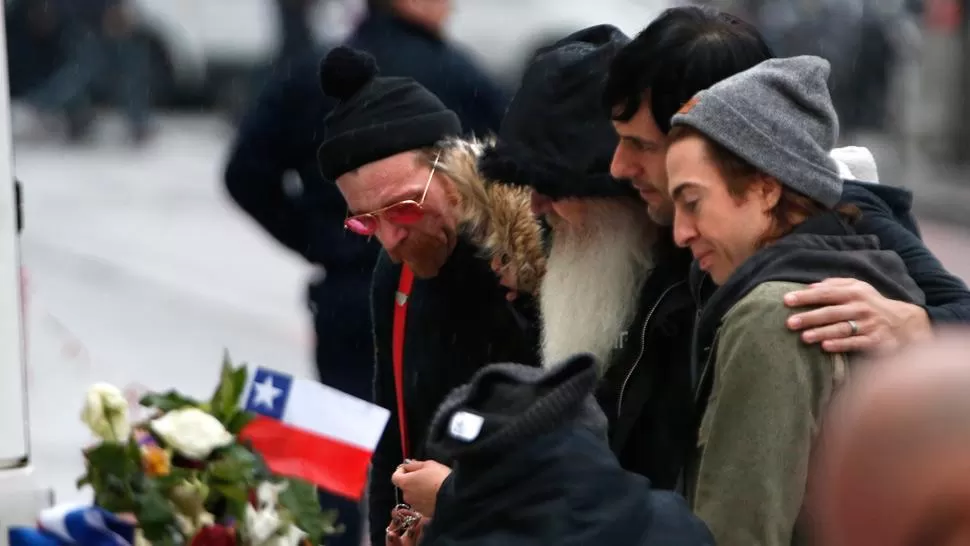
(590, 292)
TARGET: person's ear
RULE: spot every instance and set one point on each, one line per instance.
(768, 191)
(452, 194)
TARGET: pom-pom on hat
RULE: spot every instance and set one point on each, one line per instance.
(376, 116)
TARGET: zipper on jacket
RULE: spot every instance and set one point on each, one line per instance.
(694, 339)
(707, 367)
(643, 346)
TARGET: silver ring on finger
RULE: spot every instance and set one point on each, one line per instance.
(854, 327)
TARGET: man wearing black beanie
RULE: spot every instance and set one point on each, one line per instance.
(438, 310)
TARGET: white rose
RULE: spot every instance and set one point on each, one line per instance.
(261, 524)
(292, 537)
(191, 432)
(106, 413)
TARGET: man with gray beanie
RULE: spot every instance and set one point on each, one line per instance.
(533, 466)
(779, 117)
(756, 197)
(690, 48)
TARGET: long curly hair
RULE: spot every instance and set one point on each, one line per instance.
(497, 218)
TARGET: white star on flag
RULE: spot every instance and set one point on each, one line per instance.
(266, 393)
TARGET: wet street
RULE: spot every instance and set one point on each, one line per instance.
(141, 272)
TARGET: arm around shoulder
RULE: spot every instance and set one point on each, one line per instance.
(757, 431)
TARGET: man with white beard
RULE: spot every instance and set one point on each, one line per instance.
(614, 284)
(596, 266)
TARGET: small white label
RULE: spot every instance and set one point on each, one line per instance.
(465, 426)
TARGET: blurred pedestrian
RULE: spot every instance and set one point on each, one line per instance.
(35, 42)
(295, 30)
(277, 141)
(893, 468)
(407, 39)
(102, 40)
(439, 312)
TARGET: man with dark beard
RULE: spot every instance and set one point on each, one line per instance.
(613, 285)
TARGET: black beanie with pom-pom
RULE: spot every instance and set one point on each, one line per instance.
(375, 117)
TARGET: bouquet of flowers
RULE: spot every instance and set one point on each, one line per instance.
(184, 477)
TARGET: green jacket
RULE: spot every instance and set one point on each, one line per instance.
(769, 389)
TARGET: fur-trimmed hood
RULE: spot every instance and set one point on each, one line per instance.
(495, 217)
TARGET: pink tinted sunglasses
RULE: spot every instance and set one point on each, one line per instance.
(405, 212)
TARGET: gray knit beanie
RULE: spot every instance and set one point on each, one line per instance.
(778, 116)
(505, 405)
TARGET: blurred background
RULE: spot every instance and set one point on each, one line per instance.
(140, 269)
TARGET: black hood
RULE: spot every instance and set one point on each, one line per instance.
(556, 137)
(536, 468)
(565, 488)
(822, 247)
(880, 199)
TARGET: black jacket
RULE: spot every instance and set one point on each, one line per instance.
(646, 391)
(538, 469)
(406, 49)
(279, 135)
(886, 213)
(563, 487)
(457, 322)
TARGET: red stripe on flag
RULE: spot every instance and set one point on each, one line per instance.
(329, 463)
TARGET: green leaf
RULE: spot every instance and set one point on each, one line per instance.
(239, 421)
(175, 476)
(114, 494)
(300, 500)
(263, 473)
(111, 470)
(232, 491)
(108, 456)
(235, 463)
(154, 513)
(168, 401)
(236, 499)
(224, 404)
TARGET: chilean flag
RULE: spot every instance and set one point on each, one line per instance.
(307, 430)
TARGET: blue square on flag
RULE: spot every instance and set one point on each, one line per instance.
(269, 392)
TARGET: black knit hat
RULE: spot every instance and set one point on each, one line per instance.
(376, 117)
(556, 136)
(506, 404)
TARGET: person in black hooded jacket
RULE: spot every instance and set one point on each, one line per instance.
(533, 467)
(615, 286)
(688, 49)
(761, 216)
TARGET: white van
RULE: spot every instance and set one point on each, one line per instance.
(20, 497)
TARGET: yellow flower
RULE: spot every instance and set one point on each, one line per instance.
(155, 461)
